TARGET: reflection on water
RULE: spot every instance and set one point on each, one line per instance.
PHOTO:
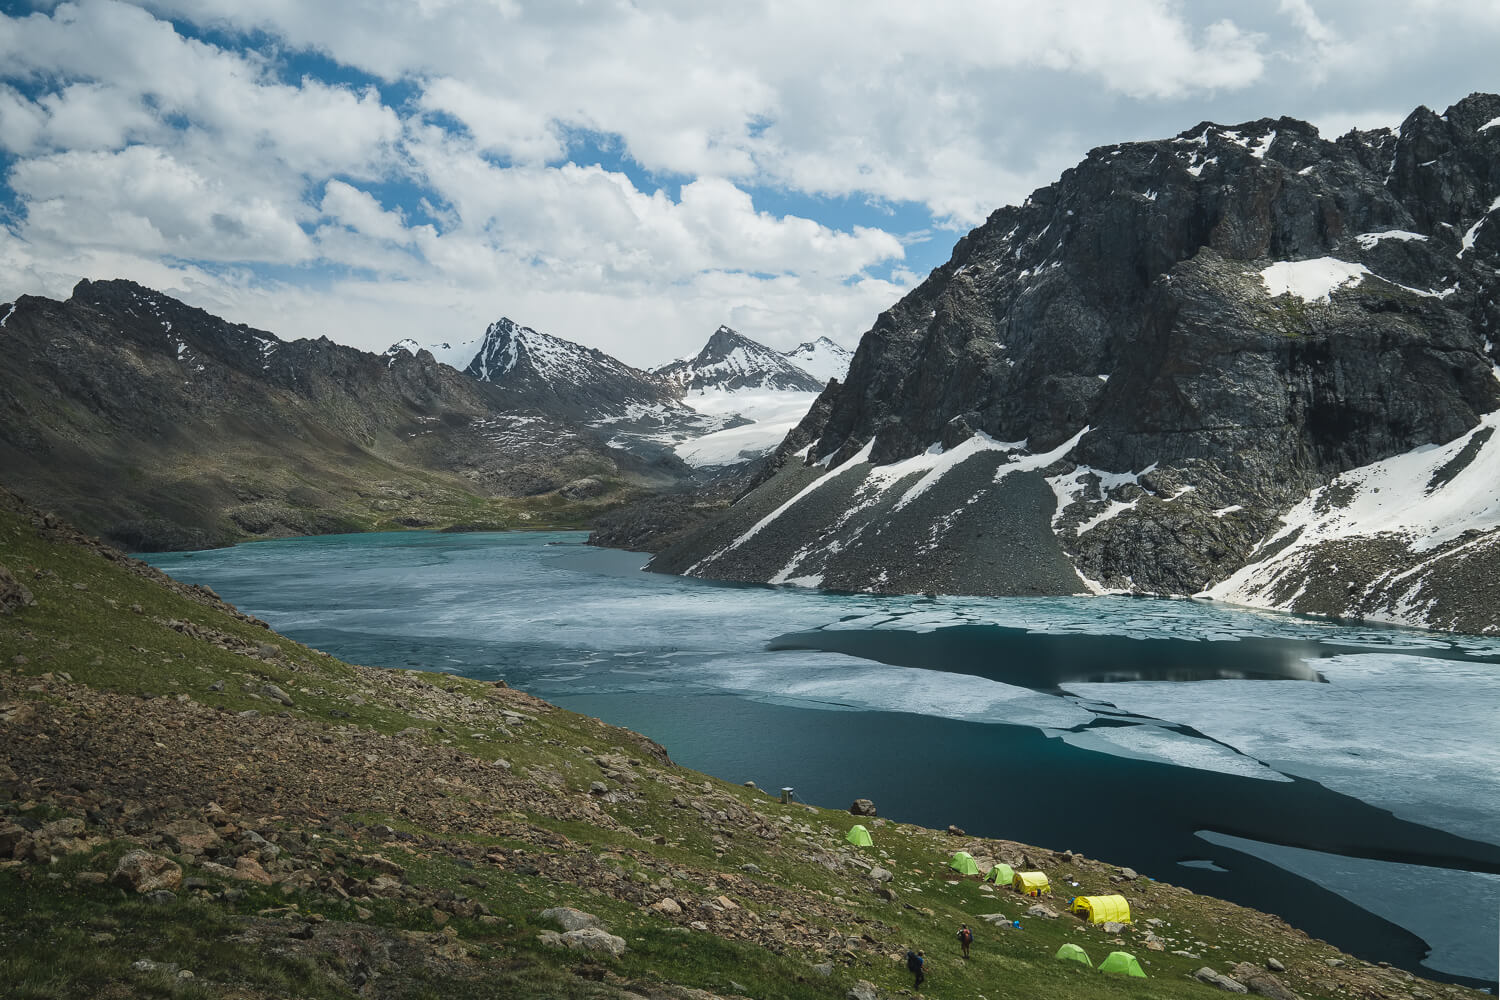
(1045, 661)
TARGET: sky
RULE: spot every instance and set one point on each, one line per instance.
(625, 175)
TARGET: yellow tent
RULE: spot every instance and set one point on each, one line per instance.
(1031, 883)
(1102, 909)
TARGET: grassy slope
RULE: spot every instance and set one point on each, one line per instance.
(109, 715)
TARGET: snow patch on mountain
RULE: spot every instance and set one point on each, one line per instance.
(1368, 240)
(1312, 280)
(771, 518)
(1473, 232)
(772, 416)
(458, 355)
(1430, 501)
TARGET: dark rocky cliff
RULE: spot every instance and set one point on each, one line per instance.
(1111, 386)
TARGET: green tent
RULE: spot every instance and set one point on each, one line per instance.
(963, 863)
(1001, 874)
(1122, 962)
(859, 836)
(1072, 953)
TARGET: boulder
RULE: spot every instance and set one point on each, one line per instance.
(1043, 910)
(863, 807)
(1223, 982)
(667, 906)
(68, 826)
(595, 940)
(570, 919)
(880, 874)
(190, 835)
(13, 594)
(863, 990)
(1113, 927)
(10, 836)
(1262, 983)
(276, 694)
(143, 872)
(247, 869)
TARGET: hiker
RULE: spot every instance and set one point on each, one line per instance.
(965, 938)
(914, 964)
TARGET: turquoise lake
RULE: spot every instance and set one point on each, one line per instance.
(1344, 777)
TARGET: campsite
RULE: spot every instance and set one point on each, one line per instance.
(1098, 928)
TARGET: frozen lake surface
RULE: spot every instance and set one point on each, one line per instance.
(1345, 777)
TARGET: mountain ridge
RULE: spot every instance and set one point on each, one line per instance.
(1123, 383)
(730, 361)
(162, 426)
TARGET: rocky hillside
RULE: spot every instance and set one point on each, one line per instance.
(193, 806)
(1188, 365)
(161, 426)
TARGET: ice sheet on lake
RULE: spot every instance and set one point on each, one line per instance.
(831, 680)
(1413, 735)
(1418, 898)
(1150, 742)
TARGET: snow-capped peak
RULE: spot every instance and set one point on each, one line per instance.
(730, 361)
(454, 355)
(821, 358)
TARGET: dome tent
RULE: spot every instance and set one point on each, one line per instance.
(1001, 874)
(963, 864)
(1123, 963)
(1072, 953)
(1102, 909)
(859, 836)
(1031, 883)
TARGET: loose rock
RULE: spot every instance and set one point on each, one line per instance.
(143, 872)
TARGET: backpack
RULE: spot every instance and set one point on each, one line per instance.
(965, 935)
(913, 961)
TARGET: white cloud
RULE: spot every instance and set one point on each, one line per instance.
(149, 201)
(203, 168)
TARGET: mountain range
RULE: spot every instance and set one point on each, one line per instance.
(1244, 361)
(160, 426)
(730, 404)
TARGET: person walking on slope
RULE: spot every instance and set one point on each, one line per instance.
(914, 965)
(965, 938)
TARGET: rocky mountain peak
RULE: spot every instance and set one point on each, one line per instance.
(731, 361)
(1126, 382)
(543, 373)
(822, 359)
